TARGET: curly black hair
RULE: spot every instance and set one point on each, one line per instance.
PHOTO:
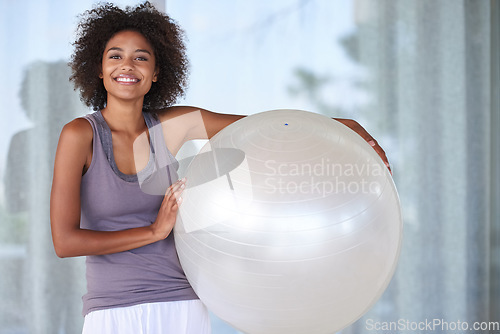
(99, 24)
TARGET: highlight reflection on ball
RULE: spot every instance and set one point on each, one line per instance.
(290, 223)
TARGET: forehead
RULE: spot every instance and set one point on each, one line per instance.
(129, 39)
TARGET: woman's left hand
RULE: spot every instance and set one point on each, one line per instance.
(356, 127)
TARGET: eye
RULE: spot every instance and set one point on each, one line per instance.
(142, 58)
(114, 57)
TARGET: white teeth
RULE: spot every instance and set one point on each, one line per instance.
(126, 79)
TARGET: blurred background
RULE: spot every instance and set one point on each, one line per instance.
(422, 76)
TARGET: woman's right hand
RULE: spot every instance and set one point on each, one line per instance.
(167, 214)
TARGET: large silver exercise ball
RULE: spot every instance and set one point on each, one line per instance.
(290, 223)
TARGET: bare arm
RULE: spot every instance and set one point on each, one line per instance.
(73, 151)
(206, 126)
(195, 123)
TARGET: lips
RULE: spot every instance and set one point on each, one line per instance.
(126, 79)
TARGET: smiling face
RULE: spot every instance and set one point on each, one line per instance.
(128, 67)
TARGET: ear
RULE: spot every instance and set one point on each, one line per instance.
(155, 75)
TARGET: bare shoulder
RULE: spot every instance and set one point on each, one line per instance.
(75, 141)
(79, 127)
(174, 112)
(77, 134)
(176, 123)
(179, 119)
(198, 123)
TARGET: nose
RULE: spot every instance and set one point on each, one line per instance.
(127, 64)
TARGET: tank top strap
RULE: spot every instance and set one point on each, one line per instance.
(106, 139)
(147, 274)
(99, 155)
(159, 173)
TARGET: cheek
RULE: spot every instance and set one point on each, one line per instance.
(148, 86)
(103, 71)
(105, 77)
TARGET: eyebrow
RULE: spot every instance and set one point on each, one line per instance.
(120, 49)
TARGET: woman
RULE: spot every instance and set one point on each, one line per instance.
(130, 67)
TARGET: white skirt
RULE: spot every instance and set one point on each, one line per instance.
(179, 317)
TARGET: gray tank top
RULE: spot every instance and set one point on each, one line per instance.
(112, 201)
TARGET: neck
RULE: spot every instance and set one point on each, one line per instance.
(124, 116)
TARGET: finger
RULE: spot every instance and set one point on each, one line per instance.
(353, 125)
(176, 192)
(175, 201)
(383, 156)
(175, 186)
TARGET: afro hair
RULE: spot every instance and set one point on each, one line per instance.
(99, 24)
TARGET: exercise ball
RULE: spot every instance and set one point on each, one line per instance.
(290, 223)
